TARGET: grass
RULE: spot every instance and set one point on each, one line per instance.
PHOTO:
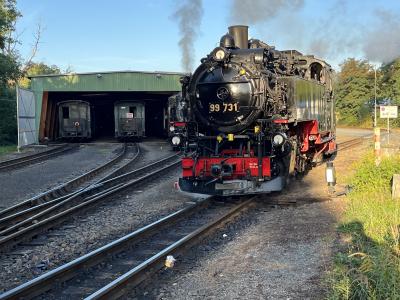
(368, 265)
(7, 149)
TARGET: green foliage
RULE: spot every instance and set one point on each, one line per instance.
(354, 88)
(369, 267)
(8, 117)
(9, 66)
(9, 69)
(8, 16)
(7, 149)
(37, 69)
(355, 91)
(9, 72)
(390, 82)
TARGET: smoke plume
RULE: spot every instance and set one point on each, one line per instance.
(250, 12)
(382, 43)
(334, 34)
(188, 15)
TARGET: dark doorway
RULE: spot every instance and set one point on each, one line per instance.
(103, 118)
(102, 105)
(154, 122)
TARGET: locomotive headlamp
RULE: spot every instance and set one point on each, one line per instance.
(219, 54)
(171, 128)
(176, 140)
(278, 139)
(216, 170)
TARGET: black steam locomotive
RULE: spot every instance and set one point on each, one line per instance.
(259, 115)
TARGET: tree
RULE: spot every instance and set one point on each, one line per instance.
(9, 66)
(390, 83)
(9, 70)
(354, 90)
(37, 69)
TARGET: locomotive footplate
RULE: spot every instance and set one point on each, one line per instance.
(232, 187)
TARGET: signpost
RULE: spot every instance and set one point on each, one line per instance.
(388, 112)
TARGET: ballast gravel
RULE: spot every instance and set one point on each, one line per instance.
(268, 253)
(24, 183)
(121, 214)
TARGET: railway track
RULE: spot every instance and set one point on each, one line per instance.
(26, 224)
(113, 270)
(30, 159)
(351, 143)
(127, 155)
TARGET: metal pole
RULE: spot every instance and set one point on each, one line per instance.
(377, 145)
(388, 131)
(375, 98)
(18, 143)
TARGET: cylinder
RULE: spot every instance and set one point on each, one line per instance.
(240, 34)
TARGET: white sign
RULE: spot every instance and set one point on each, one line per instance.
(388, 112)
(129, 115)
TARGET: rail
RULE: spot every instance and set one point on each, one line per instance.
(146, 240)
(29, 159)
(57, 211)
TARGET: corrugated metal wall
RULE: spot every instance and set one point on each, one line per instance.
(116, 81)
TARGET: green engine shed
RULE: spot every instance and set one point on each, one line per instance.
(102, 90)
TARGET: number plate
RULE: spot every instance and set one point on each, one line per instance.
(223, 107)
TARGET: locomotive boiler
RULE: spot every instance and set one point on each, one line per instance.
(259, 116)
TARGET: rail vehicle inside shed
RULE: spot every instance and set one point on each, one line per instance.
(103, 112)
(102, 92)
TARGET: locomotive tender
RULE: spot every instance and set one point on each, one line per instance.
(260, 115)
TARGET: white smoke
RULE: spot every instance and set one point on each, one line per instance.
(188, 15)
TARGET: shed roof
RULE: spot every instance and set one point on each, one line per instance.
(108, 81)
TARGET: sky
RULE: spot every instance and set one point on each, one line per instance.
(100, 35)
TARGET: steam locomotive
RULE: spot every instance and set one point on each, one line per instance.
(257, 116)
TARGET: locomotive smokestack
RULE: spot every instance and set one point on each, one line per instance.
(240, 34)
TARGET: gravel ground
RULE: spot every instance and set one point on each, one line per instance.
(101, 225)
(153, 150)
(21, 184)
(267, 254)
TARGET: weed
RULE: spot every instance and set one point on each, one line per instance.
(369, 267)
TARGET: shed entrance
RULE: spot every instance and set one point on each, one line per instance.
(102, 108)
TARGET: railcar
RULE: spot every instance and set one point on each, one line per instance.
(261, 116)
(129, 120)
(75, 120)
